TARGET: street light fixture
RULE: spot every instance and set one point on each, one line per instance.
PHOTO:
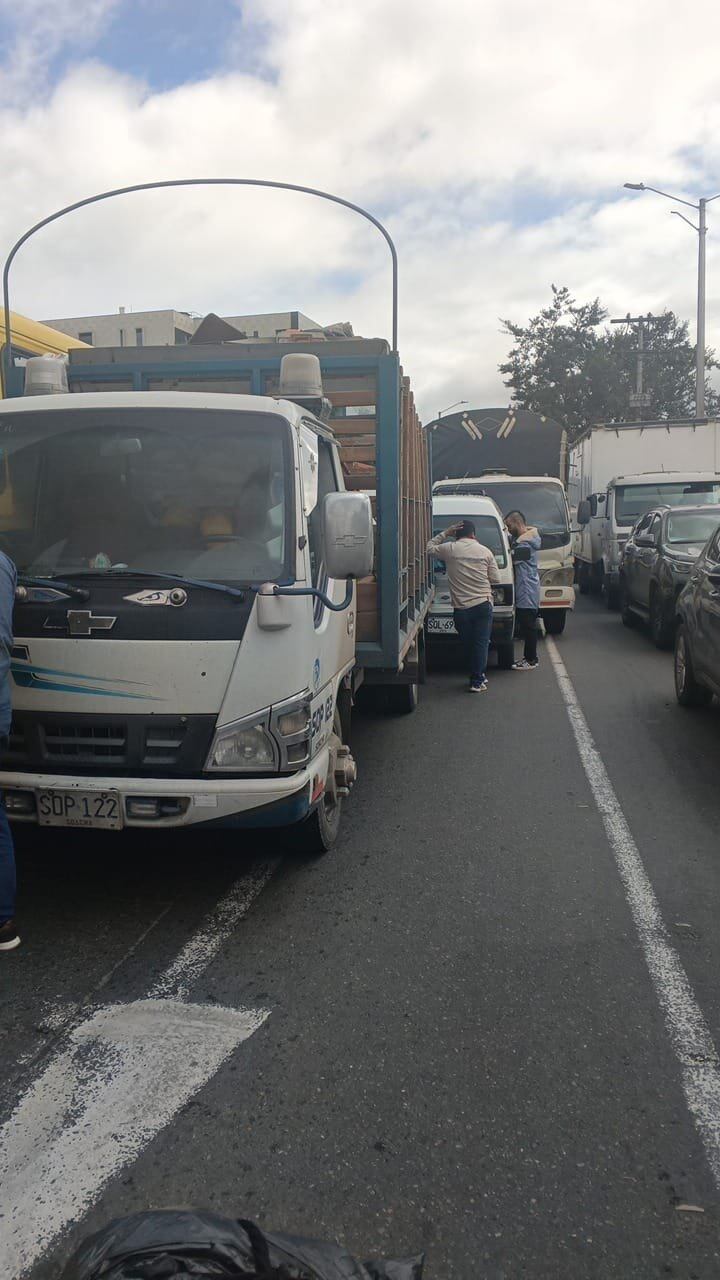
(701, 231)
(450, 406)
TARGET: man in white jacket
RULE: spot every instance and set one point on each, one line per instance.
(471, 570)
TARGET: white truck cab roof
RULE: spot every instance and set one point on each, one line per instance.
(467, 504)
(665, 477)
(223, 400)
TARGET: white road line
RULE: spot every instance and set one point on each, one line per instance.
(197, 953)
(117, 1079)
(124, 1074)
(689, 1034)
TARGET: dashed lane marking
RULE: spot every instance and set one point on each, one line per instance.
(688, 1031)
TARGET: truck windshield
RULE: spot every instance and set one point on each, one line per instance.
(195, 492)
(542, 503)
(487, 529)
(633, 500)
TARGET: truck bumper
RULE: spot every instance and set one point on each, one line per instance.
(181, 802)
(557, 598)
(503, 626)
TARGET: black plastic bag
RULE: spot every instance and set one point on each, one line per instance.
(169, 1244)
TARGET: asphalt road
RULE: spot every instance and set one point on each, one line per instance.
(451, 1038)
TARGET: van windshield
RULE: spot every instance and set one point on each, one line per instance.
(194, 492)
(633, 500)
(487, 529)
(542, 503)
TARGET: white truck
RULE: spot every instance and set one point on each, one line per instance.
(618, 471)
(189, 636)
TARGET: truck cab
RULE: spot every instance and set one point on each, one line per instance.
(185, 619)
(607, 518)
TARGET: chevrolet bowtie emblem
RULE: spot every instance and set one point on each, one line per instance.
(81, 622)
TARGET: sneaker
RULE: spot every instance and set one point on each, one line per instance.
(524, 665)
(9, 936)
(478, 686)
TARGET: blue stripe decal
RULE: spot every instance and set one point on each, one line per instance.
(16, 668)
(26, 678)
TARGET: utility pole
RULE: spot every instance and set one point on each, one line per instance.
(701, 232)
(639, 399)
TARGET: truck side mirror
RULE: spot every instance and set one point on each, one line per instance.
(347, 535)
(583, 511)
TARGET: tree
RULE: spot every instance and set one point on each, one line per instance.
(565, 363)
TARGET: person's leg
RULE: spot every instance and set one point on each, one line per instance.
(530, 650)
(464, 630)
(7, 882)
(482, 630)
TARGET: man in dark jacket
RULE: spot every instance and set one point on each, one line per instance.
(9, 938)
(525, 546)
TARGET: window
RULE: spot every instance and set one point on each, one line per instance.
(691, 526)
(487, 531)
(327, 483)
(192, 492)
(542, 502)
(632, 500)
(181, 338)
(643, 526)
(654, 527)
(138, 337)
(86, 337)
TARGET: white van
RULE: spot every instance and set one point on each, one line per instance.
(490, 530)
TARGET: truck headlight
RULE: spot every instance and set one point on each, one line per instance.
(291, 726)
(245, 745)
(558, 577)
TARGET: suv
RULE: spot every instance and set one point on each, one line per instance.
(657, 559)
(697, 642)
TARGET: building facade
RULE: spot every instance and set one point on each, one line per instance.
(169, 328)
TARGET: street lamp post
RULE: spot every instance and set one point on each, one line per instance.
(701, 231)
(449, 407)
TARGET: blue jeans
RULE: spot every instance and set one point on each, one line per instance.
(7, 869)
(474, 626)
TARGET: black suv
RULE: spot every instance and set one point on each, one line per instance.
(697, 642)
(657, 560)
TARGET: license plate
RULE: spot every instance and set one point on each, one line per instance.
(79, 809)
(441, 624)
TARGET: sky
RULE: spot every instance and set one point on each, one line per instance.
(492, 137)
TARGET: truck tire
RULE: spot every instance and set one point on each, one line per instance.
(401, 699)
(687, 690)
(611, 593)
(627, 617)
(555, 620)
(597, 573)
(505, 656)
(660, 632)
(584, 579)
(317, 833)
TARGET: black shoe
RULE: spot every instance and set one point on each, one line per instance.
(9, 936)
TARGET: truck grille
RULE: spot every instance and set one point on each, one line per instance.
(152, 745)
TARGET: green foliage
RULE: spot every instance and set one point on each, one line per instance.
(567, 364)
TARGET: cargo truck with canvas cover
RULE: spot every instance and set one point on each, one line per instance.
(519, 459)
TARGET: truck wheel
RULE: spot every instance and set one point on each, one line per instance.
(660, 632)
(687, 690)
(612, 595)
(555, 620)
(401, 699)
(317, 834)
(627, 617)
(596, 579)
(584, 579)
(506, 656)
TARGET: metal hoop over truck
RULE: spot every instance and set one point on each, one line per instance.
(189, 525)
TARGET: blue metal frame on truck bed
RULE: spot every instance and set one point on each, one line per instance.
(386, 654)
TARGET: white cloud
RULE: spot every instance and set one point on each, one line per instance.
(451, 120)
